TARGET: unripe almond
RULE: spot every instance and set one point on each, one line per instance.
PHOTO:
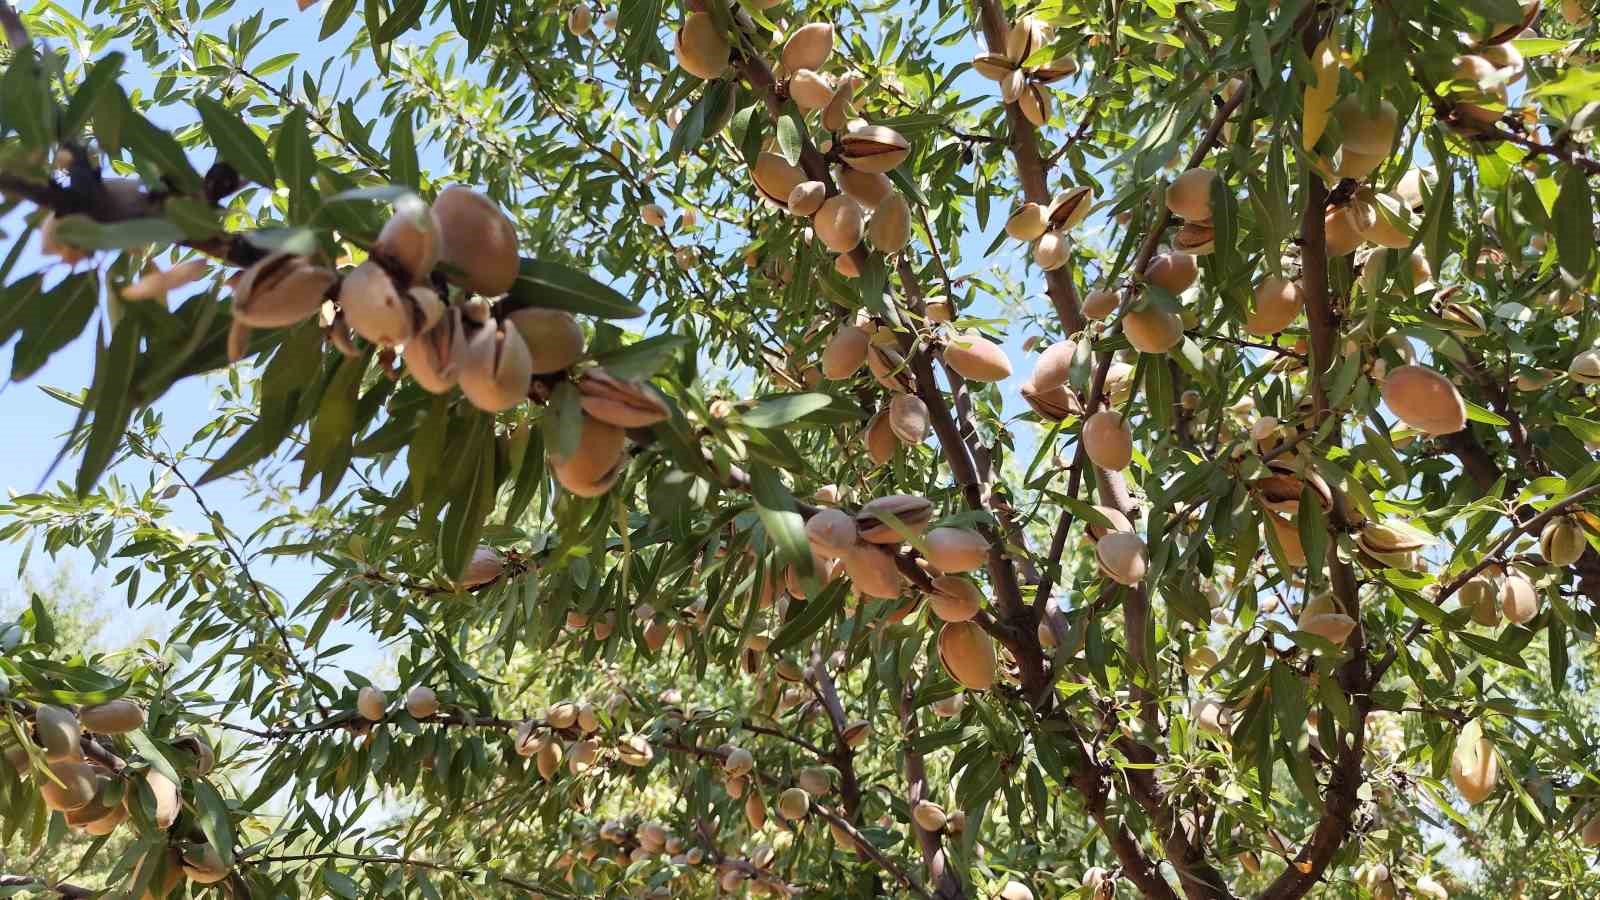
(845, 353)
(956, 549)
(595, 464)
(807, 197)
(872, 571)
(1370, 133)
(421, 702)
(112, 717)
(967, 653)
(76, 787)
(58, 732)
(1153, 329)
(866, 188)
(976, 358)
(890, 227)
(1519, 598)
(1474, 769)
(1189, 195)
(1053, 366)
(808, 48)
(954, 599)
(838, 223)
(1278, 303)
(810, 89)
(1115, 521)
(908, 418)
(755, 809)
(478, 240)
(928, 816)
(831, 533)
(1028, 223)
(794, 804)
(548, 761)
(553, 337)
(702, 49)
(1107, 440)
(1174, 272)
(1321, 617)
(1424, 400)
(1051, 251)
(411, 237)
(1561, 542)
(1100, 304)
(880, 438)
(1342, 232)
(496, 369)
(1122, 557)
(776, 178)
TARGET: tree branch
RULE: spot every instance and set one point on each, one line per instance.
(946, 881)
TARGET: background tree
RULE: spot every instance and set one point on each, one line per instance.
(669, 391)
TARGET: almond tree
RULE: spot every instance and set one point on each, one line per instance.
(817, 448)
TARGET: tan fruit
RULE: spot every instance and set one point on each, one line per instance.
(1209, 715)
(838, 223)
(1053, 367)
(1278, 303)
(1478, 107)
(553, 337)
(954, 599)
(113, 717)
(1101, 304)
(879, 436)
(653, 215)
(889, 230)
(594, 466)
(1189, 195)
(1200, 661)
(1028, 222)
(1107, 440)
(1352, 164)
(1035, 103)
(434, 356)
(1122, 557)
(1055, 70)
(1519, 598)
(1575, 14)
(1424, 400)
(908, 511)
(866, 188)
(1321, 617)
(374, 309)
(846, 266)
(949, 707)
(939, 311)
(581, 755)
(908, 418)
(1173, 271)
(840, 107)
(1027, 34)
(280, 290)
(1070, 207)
(993, 66)
(872, 571)
(831, 533)
(370, 703)
(1481, 595)
(1195, 239)
(478, 240)
(810, 89)
(873, 148)
(1153, 329)
(1115, 520)
(411, 237)
(496, 369)
(421, 702)
(76, 787)
(755, 810)
(1014, 890)
(794, 804)
(1561, 541)
(635, 750)
(1474, 768)
(580, 20)
(967, 653)
(1585, 367)
(1385, 232)
(976, 358)
(1367, 132)
(625, 404)
(1342, 232)
(738, 762)
(1590, 836)
(549, 760)
(202, 864)
(928, 816)
(58, 731)
(167, 802)
(775, 178)
(1051, 251)
(485, 566)
(702, 49)
(807, 198)
(808, 48)
(956, 549)
(845, 353)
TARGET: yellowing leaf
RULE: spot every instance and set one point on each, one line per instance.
(1320, 94)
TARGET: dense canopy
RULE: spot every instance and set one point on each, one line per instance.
(806, 448)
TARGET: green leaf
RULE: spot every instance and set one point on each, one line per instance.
(161, 151)
(471, 503)
(811, 617)
(25, 103)
(296, 159)
(775, 506)
(1478, 414)
(113, 402)
(771, 412)
(212, 813)
(82, 231)
(552, 285)
(237, 143)
(53, 320)
(1574, 221)
(789, 139)
(86, 97)
(332, 433)
(403, 166)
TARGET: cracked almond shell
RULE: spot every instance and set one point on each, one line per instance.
(434, 357)
(910, 511)
(496, 370)
(1069, 208)
(873, 148)
(626, 404)
(374, 308)
(478, 240)
(280, 290)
